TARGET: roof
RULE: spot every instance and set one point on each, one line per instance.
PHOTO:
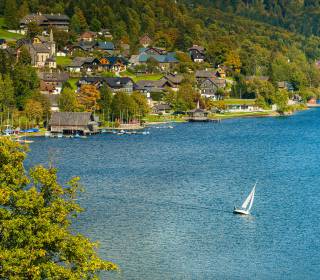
(53, 77)
(174, 78)
(162, 107)
(71, 118)
(118, 82)
(219, 82)
(79, 61)
(160, 58)
(105, 45)
(113, 59)
(40, 48)
(204, 74)
(41, 18)
(88, 34)
(200, 49)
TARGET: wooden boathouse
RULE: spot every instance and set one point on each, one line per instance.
(83, 123)
(198, 115)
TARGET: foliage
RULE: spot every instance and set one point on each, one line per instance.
(67, 101)
(33, 110)
(88, 98)
(35, 218)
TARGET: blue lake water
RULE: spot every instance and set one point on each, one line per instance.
(161, 205)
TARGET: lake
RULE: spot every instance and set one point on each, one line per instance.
(161, 204)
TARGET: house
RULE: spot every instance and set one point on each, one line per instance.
(84, 46)
(105, 46)
(120, 84)
(52, 82)
(83, 64)
(175, 80)
(198, 115)
(286, 86)
(197, 53)
(117, 84)
(3, 44)
(62, 53)
(165, 61)
(46, 21)
(209, 87)
(73, 122)
(243, 108)
(145, 41)
(42, 51)
(88, 36)
(202, 75)
(113, 64)
(161, 109)
(221, 72)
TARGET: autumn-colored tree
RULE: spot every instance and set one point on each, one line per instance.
(88, 98)
(233, 61)
(34, 110)
(35, 223)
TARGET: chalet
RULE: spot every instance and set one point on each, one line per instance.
(209, 87)
(51, 83)
(46, 21)
(145, 41)
(113, 64)
(42, 51)
(147, 87)
(3, 44)
(120, 84)
(197, 53)
(161, 109)
(202, 75)
(83, 64)
(175, 80)
(105, 46)
(117, 84)
(88, 36)
(84, 46)
(165, 61)
(73, 122)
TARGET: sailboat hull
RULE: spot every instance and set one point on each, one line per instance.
(240, 212)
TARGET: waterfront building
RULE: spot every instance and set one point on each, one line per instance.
(73, 122)
(198, 115)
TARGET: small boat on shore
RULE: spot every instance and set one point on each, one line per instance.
(247, 204)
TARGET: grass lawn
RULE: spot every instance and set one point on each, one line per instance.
(239, 101)
(63, 60)
(136, 78)
(240, 115)
(4, 34)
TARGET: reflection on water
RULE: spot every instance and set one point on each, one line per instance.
(161, 204)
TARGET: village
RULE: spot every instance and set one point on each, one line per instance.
(164, 79)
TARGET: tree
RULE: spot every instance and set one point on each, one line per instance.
(34, 110)
(24, 56)
(23, 10)
(67, 101)
(33, 30)
(95, 25)
(233, 61)
(142, 103)
(123, 106)
(10, 13)
(105, 101)
(35, 219)
(88, 97)
(7, 100)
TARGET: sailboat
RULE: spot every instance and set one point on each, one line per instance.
(247, 204)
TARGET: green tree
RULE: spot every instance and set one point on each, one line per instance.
(95, 25)
(10, 14)
(24, 56)
(123, 107)
(105, 101)
(7, 100)
(33, 30)
(35, 219)
(67, 101)
(142, 103)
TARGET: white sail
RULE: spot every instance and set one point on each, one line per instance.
(246, 202)
(252, 198)
(249, 199)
